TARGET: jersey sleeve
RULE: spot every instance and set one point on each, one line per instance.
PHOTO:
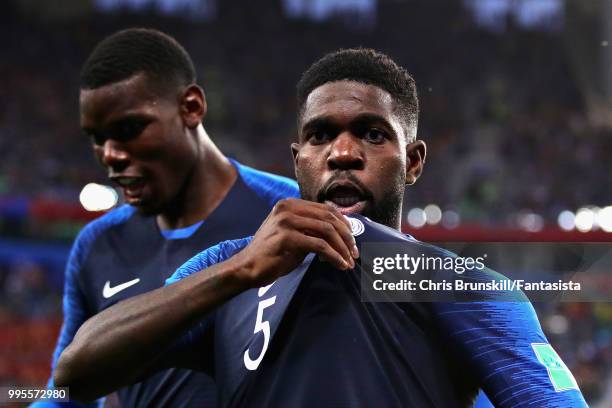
(504, 345)
(209, 257)
(75, 314)
(192, 349)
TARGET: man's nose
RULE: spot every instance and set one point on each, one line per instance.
(346, 153)
(114, 156)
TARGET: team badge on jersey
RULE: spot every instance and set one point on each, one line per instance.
(357, 226)
(560, 376)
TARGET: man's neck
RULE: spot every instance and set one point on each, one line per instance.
(210, 181)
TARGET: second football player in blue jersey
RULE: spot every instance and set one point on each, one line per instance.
(143, 112)
(279, 326)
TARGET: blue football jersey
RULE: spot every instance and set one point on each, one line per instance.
(124, 253)
(308, 340)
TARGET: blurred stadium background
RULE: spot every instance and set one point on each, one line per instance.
(516, 99)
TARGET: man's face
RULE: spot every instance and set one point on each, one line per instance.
(353, 152)
(140, 137)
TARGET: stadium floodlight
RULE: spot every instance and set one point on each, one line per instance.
(417, 217)
(566, 220)
(433, 214)
(98, 197)
(530, 221)
(557, 324)
(604, 218)
(585, 218)
(450, 219)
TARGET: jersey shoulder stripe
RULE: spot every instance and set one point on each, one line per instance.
(270, 187)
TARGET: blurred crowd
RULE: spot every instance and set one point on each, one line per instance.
(30, 318)
(501, 112)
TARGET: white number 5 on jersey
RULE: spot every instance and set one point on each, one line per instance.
(263, 326)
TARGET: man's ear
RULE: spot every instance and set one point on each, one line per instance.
(193, 106)
(415, 160)
(295, 151)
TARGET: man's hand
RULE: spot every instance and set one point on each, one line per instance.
(291, 231)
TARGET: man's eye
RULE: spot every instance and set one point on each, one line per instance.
(375, 136)
(129, 130)
(96, 138)
(318, 137)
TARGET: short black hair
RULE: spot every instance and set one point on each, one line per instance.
(366, 66)
(138, 50)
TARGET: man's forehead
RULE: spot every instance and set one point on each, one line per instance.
(105, 102)
(345, 95)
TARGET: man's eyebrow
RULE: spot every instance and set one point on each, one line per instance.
(91, 131)
(361, 120)
(317, 122)
(127, 117)
(119, 120)
(368, 118)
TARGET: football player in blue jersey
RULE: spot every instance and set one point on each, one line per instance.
(278, 317)
(143, 111)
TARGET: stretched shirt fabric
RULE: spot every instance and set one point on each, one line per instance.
(123, 254)
(308, 340)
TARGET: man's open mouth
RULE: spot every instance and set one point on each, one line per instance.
(347, 198)
(132, 186)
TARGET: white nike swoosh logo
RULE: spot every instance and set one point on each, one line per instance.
(108, 291)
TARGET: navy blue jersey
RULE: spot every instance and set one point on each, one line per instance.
(309, 340)
(124, 253)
